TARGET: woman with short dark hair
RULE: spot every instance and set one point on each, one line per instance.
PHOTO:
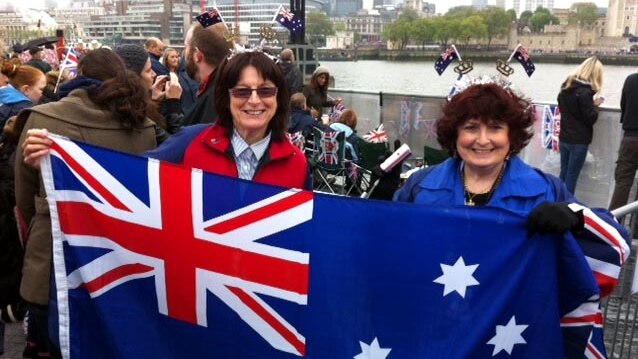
(248, 140)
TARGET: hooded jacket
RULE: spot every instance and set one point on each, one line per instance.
(315, 97)
(578, 113)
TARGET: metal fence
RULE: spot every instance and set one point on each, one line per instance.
(410, 119)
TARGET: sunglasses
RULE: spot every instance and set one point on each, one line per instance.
(245, 92)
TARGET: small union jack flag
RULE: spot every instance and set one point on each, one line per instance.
(376, 136)
(297, 139)
(329, 151)
(70, 62)
(336, 111)
(551, 128)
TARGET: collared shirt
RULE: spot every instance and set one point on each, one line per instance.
(247, 156)
(204, 84)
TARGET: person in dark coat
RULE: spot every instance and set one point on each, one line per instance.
(155, 48)
(12, 308)
(316, 92)
(189, 87)
(627, 162)
(300, 119)
(204, 49)
(294, 78)
(37, 61)
(579, 112)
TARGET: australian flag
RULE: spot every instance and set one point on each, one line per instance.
(154, 260)
(523, 57)
(288, 19)
(209, 18)
(445, 60)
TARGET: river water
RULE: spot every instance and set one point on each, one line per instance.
(419, 78)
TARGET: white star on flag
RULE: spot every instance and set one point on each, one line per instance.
(507, 336)
(372, 351)
(457, 277)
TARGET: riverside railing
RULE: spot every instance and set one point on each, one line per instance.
(411, 119)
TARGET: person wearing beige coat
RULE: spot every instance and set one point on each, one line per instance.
(104, 106)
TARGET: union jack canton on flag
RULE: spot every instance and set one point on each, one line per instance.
(445, 60)
(288, 19)
(154, 260)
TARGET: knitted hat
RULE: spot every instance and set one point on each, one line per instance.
(134, 56)
(320, 70)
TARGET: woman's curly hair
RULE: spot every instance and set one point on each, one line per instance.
(486, 102)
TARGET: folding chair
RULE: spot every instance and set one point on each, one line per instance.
(329, 173)
(433, 156)
(370, 155)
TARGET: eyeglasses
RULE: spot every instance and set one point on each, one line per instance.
(245, 93)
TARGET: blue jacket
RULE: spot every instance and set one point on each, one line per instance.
(12, 101)
(352, 145)
(603, 240)
(189, 87)
(157, 66)
(522, 187)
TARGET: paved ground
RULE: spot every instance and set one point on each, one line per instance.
(13, 341)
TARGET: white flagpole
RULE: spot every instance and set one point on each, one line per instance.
(61, 69)
(457, 52)
(512, 55)
(276, 13)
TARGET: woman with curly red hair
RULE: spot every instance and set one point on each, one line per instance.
(484, 128)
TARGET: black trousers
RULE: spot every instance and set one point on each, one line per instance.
(625, 172)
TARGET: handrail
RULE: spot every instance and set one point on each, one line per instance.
(625, 210)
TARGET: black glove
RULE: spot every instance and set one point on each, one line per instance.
(554, 217)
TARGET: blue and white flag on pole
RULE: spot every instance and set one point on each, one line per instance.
(155, 260)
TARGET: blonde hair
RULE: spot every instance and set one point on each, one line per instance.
(591, 71)
(167, 52)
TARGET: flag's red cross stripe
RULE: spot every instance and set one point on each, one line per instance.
(287, 14)
(181, 251)
(448, 53)
(377, 135)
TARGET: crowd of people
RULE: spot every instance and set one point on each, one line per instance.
(231, 112)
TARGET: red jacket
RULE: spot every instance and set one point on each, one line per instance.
(282, 165)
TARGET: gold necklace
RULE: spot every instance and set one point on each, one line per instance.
(470, 196)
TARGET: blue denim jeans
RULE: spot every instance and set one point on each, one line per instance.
(572, 159)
